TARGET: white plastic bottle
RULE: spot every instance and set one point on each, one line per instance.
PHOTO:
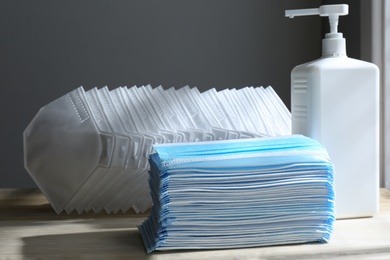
(335, 100)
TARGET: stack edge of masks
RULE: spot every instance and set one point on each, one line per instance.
(239, 193)
(88, 150)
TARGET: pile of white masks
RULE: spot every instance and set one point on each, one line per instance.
(88, 150)
(239, 193)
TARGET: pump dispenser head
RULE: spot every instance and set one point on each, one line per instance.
(334, 43)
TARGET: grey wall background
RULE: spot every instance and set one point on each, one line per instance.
(48, 48)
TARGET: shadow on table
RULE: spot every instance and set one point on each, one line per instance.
(103, 244)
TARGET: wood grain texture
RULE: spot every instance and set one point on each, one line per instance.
(30, 229)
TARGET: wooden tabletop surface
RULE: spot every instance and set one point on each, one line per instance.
(30, 229)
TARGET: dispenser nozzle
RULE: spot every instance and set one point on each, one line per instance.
(332, 11)
(302, 12)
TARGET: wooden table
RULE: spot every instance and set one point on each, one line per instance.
(30, 229)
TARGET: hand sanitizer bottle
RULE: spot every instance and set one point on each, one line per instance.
(335, 100)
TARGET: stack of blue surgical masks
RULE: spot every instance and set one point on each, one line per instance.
(239, 193)
(88, 150)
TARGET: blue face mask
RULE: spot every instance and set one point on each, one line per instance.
(239, 193)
